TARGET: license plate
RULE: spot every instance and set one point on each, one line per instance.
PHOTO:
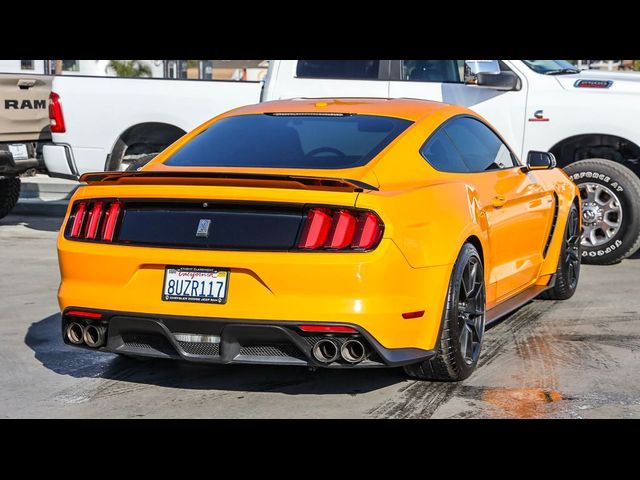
(19, 151)
(195, 284)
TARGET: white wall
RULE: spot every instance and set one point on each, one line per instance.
(13, 66)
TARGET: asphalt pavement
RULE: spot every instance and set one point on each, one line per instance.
(572, 359)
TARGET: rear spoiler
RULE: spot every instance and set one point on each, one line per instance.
(225, 178)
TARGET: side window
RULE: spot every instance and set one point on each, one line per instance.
(442, 71)
(480, 148)
(347, 69)
(442, 155)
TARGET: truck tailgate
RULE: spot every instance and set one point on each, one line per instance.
(24, 112)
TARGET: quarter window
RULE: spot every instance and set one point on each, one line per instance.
(440, 71)
(464, 144)
(442, 154)
(480, 148)
(342, 69)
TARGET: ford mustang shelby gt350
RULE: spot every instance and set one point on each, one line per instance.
(339, 233)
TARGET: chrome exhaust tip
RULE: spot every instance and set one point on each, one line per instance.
(326, 351)
(75, 333)
(353, 351)
(94, 336)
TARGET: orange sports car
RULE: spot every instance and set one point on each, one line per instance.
(339, 233)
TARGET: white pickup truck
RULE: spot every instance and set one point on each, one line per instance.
(588, 120)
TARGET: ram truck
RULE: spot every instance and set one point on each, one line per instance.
(24, 130)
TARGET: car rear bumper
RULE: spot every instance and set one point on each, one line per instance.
(371, 290)
(217, 340)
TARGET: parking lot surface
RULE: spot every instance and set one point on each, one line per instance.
(572, 359)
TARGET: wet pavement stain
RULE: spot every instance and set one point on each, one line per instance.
(522, 402)
(535, 351)
(420, 399)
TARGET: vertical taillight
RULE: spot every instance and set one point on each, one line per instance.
(316, 228)
(56, 119)
(78, 219)
(368, 231)
(343, 229)
(95, 220)
(340, 229)
(113, 212)
(95, 215)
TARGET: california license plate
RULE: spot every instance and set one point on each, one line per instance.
(195, 284)
(19, 151)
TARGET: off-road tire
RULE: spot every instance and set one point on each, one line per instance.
(9, 194)
(626, 186)
(568, 271)
(449, 364)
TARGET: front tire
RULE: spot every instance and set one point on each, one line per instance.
(462, 323)
(610, 195)
(568, 271)
(9, 194)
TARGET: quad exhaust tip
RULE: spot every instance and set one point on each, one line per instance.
(75, 333)
(353, 351)
(326, 351)
(94, 336)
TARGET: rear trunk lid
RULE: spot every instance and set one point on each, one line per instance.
(24, 114)
(212, 225)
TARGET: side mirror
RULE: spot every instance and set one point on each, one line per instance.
(473, 67)
(486, 73)
(540, 161)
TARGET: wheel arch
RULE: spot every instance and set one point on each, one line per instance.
(596, 145)
(476, 242)
(156, 135)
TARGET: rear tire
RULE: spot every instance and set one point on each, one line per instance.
(610, 195)
(9, 194)
(462, 323)
(568, 271)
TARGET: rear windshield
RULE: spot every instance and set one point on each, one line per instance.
(290, 141)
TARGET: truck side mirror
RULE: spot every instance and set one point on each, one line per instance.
(486, 73)
(540, 160)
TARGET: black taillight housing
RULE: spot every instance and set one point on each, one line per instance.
(94, 220)
(340, 229)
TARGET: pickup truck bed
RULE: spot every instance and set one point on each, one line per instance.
(109, 121)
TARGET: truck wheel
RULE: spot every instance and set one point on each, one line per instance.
(9, 194)
(610, 195)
